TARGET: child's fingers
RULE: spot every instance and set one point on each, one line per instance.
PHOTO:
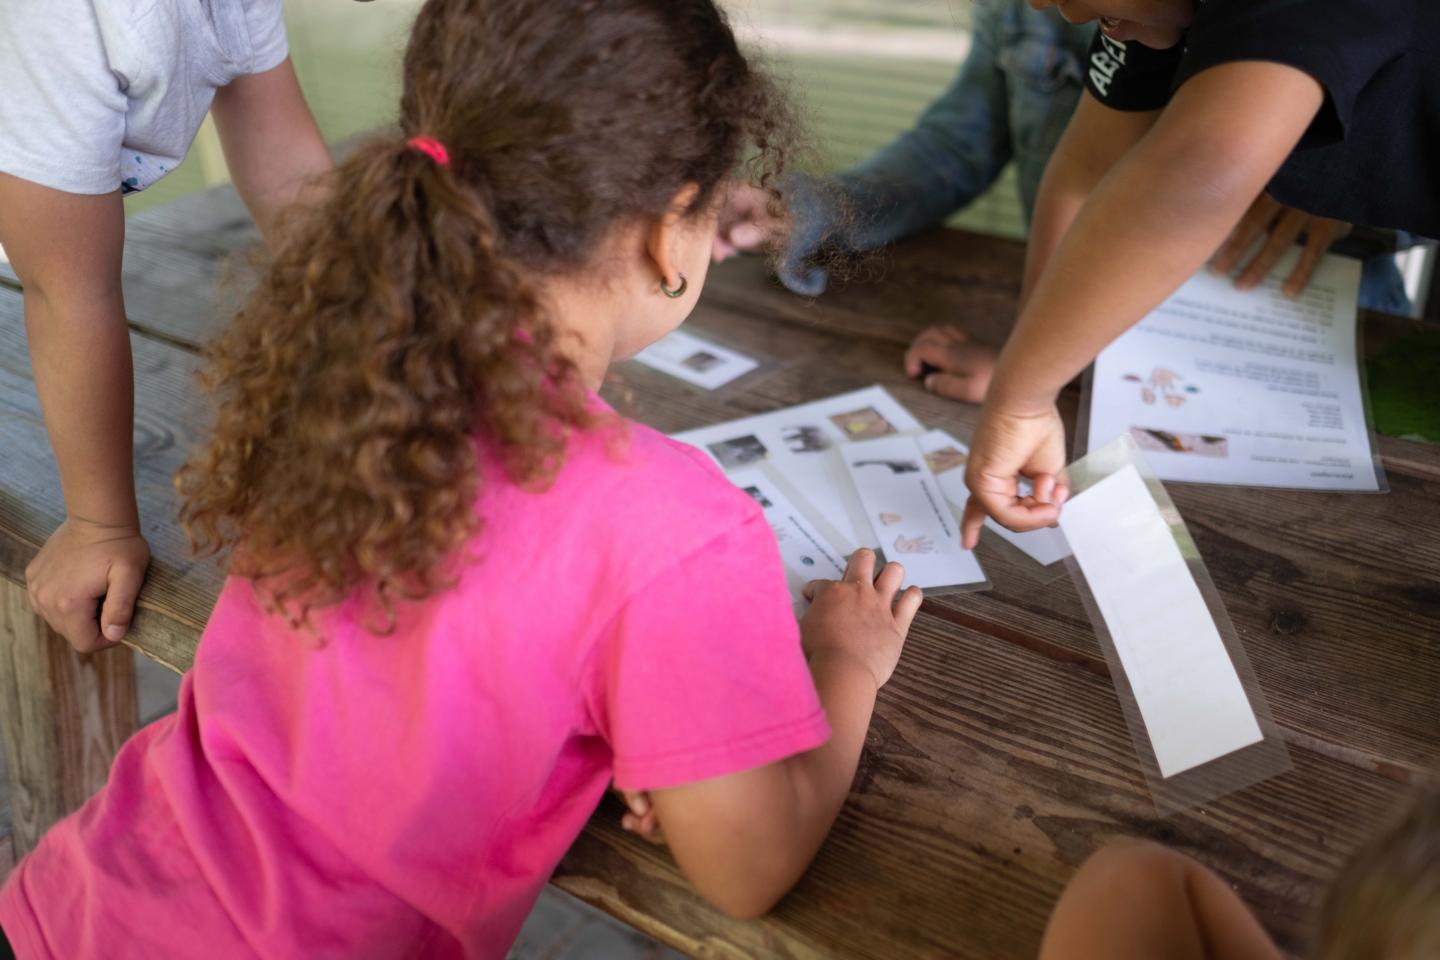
(119, 606)
(889, 582)
(926, 344)
(1279, 241)
(638, 801)
(861, 568)
(906, 606)
(1250, 227)
(954, 386)
(1321, 234)
(812, 590)
(971, 523)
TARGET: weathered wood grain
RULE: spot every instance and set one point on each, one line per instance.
(62, 717)
(169, 414)
(990, 772)
(999, 757)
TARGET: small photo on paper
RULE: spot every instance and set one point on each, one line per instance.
(894, 466)
(701, 361)
(945, 459)
(759, 497)
(739, 451)
(805, 439)
(1163, 441)
(867, 423)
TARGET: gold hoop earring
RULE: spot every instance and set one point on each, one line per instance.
(678, 292)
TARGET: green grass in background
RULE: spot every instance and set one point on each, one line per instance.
(347, 55)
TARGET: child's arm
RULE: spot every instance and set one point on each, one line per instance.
(1150, 224)
(1096, 138)
(744, 839)
(1142, 901)
(66, 247)
(272, 144)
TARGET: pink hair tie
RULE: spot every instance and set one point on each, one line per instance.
(432, 148)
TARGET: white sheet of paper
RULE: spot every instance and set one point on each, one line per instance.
(796, 442)
(694, 360)
(1185, 684)
(803, 550)
(1223, 386)
(908, 513)
(946, 457)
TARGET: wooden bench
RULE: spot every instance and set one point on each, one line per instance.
(998, 759)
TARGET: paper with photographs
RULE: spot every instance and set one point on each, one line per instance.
(908, 513)
(695, 360)
(1219, 385)
(803, 549)
(798, 444)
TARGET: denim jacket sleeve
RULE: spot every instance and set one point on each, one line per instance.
(956, 149)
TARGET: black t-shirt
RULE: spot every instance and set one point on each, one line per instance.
(1372, 154)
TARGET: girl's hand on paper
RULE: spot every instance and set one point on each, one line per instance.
(948, 363)
(640, 817)
(862, 617)
(1009, 445)
(1281, 226)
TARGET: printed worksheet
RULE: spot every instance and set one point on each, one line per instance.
(688, 357)
(798, 444)
(1223, 386)
(946, 457)
(803, 549)
(908, 513)
(1185, 684)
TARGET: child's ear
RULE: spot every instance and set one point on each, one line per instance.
(663, 242)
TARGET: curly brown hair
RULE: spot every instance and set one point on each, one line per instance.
(396, 326)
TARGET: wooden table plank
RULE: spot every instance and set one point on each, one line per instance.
(999, 757)
(169, 415)
(1305, 575)
(990, 772)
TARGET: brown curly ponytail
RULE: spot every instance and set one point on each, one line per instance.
(397, 321)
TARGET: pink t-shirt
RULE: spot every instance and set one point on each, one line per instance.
(409, 795)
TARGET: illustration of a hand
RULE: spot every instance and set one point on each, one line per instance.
(904, 544)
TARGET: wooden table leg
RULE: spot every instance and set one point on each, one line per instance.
(62, 717)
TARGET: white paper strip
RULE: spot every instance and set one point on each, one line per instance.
(1185, 685)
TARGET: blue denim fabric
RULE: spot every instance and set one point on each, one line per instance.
(1011, 100)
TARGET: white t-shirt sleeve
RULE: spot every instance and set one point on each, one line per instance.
(266, 20)
(62, 113)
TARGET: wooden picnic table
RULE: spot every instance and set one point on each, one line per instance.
(998, 758)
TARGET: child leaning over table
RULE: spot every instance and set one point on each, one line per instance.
(1011, 100)
(465, 593)
(1191, 108)
(1145, 902)
(99, 100)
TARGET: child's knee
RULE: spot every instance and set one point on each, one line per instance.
(1134, 863)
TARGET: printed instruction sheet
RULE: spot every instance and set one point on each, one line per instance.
(1253, 388)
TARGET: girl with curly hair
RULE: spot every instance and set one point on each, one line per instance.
(465, 594)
